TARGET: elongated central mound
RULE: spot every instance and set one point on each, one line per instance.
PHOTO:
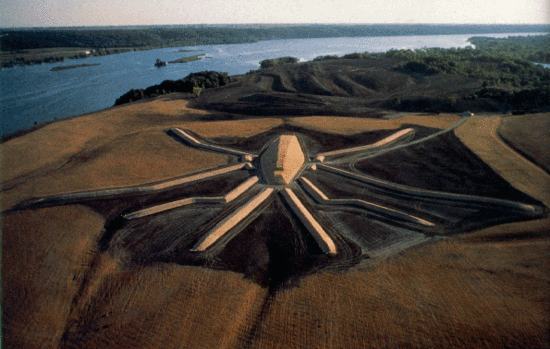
(282, 160)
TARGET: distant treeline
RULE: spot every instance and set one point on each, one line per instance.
(30, 57)
(171, 36)
(108, 40)
(67, 67)
(530, 48)
(504, 65)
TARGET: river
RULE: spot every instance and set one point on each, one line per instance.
(34, 94)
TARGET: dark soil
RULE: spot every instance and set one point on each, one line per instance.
(359, 87)
(441, 164)
(273, 248)
(312, 142)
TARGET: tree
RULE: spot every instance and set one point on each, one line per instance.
(160, 63)
(268, 63)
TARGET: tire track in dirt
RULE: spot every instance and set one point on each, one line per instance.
(249, 339)
(98, 269)
(22, 179)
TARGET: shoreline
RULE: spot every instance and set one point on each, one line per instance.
(26, 55)
(60, 68)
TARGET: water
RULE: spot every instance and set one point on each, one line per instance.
(34, 94)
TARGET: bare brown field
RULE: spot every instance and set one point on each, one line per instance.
(62, 288)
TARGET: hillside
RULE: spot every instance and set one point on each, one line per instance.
(368, 85)
(75, 275)
(339, 87)
(497, 76)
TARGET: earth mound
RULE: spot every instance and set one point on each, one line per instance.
(352, 87)
(75, 275)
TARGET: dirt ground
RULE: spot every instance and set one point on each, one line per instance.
(357, 88)
(487, 288)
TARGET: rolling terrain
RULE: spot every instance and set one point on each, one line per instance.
(77, 276)
(340, 87)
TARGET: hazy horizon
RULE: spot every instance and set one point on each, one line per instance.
(103, 13)
(259, 25)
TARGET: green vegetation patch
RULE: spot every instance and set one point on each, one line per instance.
(268, 63)
(499, 77)
(188, 59)
(531, 48)
(74, 66)
(203, 80)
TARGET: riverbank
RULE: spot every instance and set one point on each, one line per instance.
(35, 94)
(51, 55)
(496, 76)
(38, 45)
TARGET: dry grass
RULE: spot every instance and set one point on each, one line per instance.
(484, 289)
(166, 306)
(350, 125)
(57, 142)
(46, 254)
(480, 135)
(447, 295)
(133, 159)
(113, 148)
(241, 128)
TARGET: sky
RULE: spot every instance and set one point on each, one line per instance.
(66, 13)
